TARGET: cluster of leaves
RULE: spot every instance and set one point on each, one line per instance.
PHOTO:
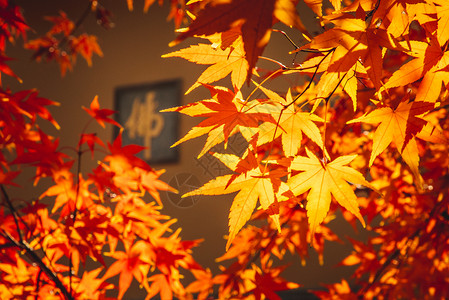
(367, 127)
(61, 44)
(85, 228)
(98, 217)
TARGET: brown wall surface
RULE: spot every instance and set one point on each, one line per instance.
(132, 55)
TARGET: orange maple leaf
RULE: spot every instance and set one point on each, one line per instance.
(324, 179)
(224, 61)
(352, 39)
(256, 17)
(151, 183)
(397, 15)
(400, 126)
(91, 286)
(133, 263)
(86, 45)
(62, 24)
(226, 114)
(100, 115)
(430, 63)
(90, 139)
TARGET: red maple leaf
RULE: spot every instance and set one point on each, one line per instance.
(100, 115)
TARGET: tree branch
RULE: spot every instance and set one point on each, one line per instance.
(13, 211)
(29, 252)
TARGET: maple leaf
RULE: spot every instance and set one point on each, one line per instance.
(123, 158)
(397, 15)
(90, 139)
(226, 114)
(324, 179)
(252, 182)
(224, 61)
(44, 156)
(5, 69)
(91, 286)
(100, 115)
(203, 283)
(36, 106)
(8, 177)
(160, 284)
(18, 272)
(430, 63)
(63, 189)
(86, 45)
(268, 281)
(400, 126)
(256, 17)
(291, 124)
(62, 24)
(13, 23)
(351, 39)
(151, 183)
(133, 263)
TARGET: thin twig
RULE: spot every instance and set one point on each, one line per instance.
(78, 23)
(287, 37)
(38, 283)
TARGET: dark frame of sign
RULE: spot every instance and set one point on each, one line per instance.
(138, 111)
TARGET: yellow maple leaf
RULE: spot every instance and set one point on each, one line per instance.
(352, 40)
(292, 123)
(254, 17)
(251, 185)
(442, 9)
(400, 126)
(324, 179)
(430, 63)
(223, 61)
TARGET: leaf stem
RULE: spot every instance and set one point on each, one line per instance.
(287, 37)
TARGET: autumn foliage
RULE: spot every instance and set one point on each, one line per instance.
(365, 132)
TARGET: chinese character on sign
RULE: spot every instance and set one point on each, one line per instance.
(145, 122)
(139, 112)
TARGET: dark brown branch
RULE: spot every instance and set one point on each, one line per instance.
(7, 245)
(29, 252)
(13, 211)
(77, 24)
